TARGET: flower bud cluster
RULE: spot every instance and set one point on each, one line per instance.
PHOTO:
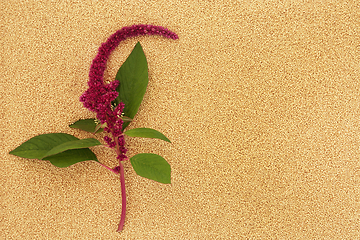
(99, 96)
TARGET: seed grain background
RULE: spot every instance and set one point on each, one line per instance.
(260, 99)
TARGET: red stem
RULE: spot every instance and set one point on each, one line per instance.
(123, 197)
(115, 138)
(108, 168)
(122, 181)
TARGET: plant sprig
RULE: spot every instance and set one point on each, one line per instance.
(115, 105)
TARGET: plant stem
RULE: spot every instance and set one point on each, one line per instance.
(105, 146)
(108, 168)
(123, 197)
(122, 181)
(115, 138)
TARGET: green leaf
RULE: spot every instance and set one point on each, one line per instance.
(59, 147)
(146, 133)
(152, 166)
(133, 77)
(70, 157)
(77, 144)
(99, 128)
(126, 119)
(88, 125)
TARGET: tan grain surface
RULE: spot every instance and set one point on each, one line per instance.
(261, 102)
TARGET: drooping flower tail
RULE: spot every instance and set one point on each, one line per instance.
(98, 96)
